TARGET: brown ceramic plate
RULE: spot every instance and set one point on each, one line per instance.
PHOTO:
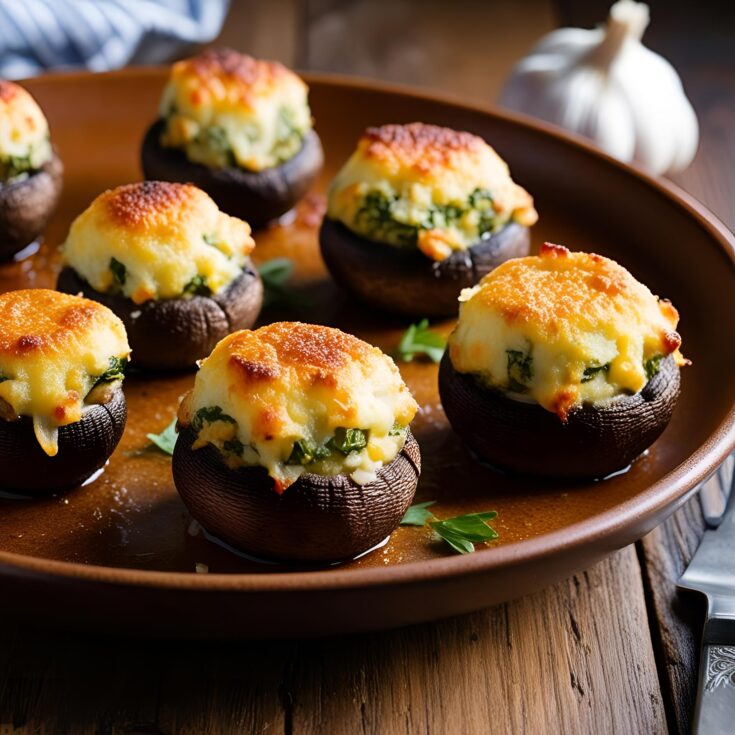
(120, 553)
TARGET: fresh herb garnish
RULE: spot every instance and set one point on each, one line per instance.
(591, 372)
(460, 532)
(198, 286)
(519, 370)
(276, 274)
(418, 339)
(209, 414)
(653, 365)
(119, 272)
(417, 515)
(463, 532)
(166, 440)
(305, 452)
(116, 371)
(349, 440)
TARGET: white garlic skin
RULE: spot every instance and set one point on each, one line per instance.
(605, 85)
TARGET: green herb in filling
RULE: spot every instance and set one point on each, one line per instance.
(210, 239)
(520, 370)
(397, 429)
(216, 140)
(376, 217)
(305, 452)
(652, 366)
(349, 440)
(234, 446)
(13, 166)
(198, 286)
(209, 415)
(119, 272)
(288, 135)
(116, 371)
(591, 372)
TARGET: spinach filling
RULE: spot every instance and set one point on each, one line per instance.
(116, 371)
(591, 372)
(520, 370)
(209, 415)
(377, 218)
(198, 286)
(652, 366)
(14, 166)
(119, 274)
(345, 441)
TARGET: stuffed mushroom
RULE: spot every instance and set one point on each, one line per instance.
(241, 129)
(561, 365)
(295, 443)
(174, 268)
(420, 212)
(62, 409)
(30, 171)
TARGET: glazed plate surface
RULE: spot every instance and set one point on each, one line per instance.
(120, 553)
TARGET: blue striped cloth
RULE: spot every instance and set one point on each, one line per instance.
(38, 35)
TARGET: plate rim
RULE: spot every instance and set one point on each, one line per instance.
(670, 490)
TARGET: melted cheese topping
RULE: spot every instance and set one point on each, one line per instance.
(24, 134)
(428, 187)
(157, 240)
(564, 329)
(53, 348)
(229, 109)
(290, 382)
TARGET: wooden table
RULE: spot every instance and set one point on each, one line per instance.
(611, 650)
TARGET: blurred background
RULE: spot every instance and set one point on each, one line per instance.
(464, 47)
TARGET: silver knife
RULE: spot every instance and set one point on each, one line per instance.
(712, 572)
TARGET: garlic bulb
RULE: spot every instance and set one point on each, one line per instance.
(604, 84)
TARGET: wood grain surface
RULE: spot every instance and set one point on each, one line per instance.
(612, 650)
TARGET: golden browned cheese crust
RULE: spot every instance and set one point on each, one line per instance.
(289, 382)
(53, 349)
(163, 235)
(565, 328)
(45, 322)
(425, 149)
(242, 78)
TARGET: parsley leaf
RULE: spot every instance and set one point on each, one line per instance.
(119, 272)
(591, 372)
(116, 371)
(348, 440)
(417, 515)
(653, 366)
(198, 286)
(460, 532)
(209, 414)
(276, 274)
(166, 440)
(418, 339)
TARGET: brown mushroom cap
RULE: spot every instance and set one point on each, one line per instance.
(404, 280)
(255, 196)
(84, 447)
(318, 518)
(26, 206)
(526, 438)
(171, 334)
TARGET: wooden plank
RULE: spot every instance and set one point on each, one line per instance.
(574, 658)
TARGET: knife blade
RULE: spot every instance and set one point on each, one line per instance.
(715, 490)
(712, 572)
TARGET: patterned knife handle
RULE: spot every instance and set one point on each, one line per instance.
(715, 712)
